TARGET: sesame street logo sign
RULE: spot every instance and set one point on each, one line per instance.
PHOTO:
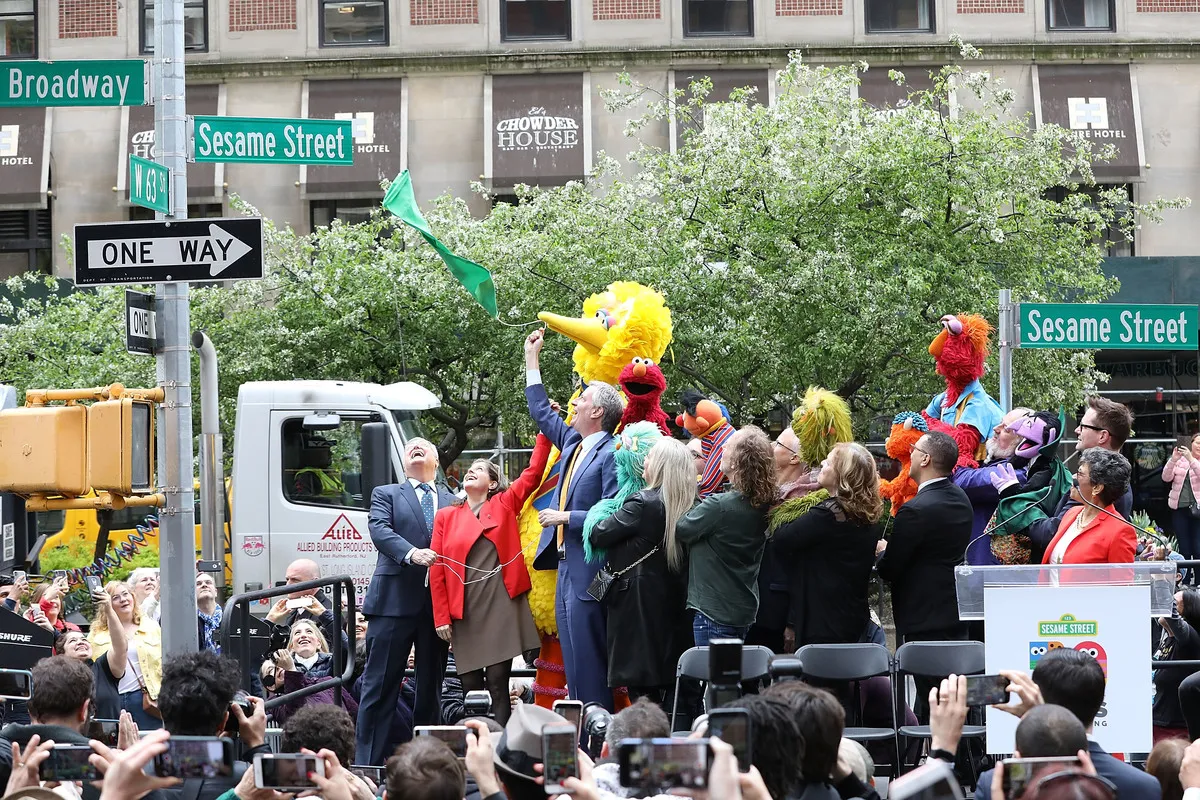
(1107, 326)
(1067, 625)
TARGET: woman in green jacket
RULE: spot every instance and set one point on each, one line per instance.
(725, 536)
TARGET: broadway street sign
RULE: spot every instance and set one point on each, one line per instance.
(254, 140)
(148, 184)
(75, 83)
(1108, 326)
(160, 252)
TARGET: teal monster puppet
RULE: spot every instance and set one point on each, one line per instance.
(633, 445)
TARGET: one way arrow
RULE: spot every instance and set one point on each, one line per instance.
(218, 251)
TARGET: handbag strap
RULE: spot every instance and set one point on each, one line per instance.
(634, 564)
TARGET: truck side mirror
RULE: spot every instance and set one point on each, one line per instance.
(376, 458)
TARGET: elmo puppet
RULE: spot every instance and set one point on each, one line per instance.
(643, 384)
(965, 410)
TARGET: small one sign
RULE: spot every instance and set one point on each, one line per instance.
(149, 184)
(75, 83)
(255, 140)
(1108, 326)
(140, 323)
(112, 253)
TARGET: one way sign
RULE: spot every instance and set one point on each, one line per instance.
(166, 251)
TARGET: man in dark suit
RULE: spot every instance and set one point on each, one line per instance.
(930, 535)
(1075, 681)
(398, 603)
(588, 475)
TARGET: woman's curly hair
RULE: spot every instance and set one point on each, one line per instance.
(750, 465)
(857, 482)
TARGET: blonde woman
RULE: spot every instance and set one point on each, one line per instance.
(306, 661)
(829, 551)
(725, 536)
(138, 687)
(648, 624)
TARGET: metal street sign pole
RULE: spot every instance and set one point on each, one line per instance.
(1008, 332)
(176, 532)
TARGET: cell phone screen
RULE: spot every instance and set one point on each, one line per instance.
(68, 762)
(571, 711)
(559, 745)
(657, 765)
(987, 690)
(18, 575)
(104, 730)
(15, 684)
(195, 757)
(375, 775)
(725, 662)
(453, 735)
(284, 771)
(1019, 773)
(732, 726)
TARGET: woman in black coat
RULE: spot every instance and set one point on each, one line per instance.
(829, 551)
(649, 626)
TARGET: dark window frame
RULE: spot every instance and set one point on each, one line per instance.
(36, 22)
(1110, 28)
(146, 47)
(387, 26)
(505, 36)
(718, 34)
(336, 208)
(37, 248)
(932, 10)
(1111, 244)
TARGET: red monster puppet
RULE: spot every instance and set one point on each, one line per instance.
(643, 384)
(965, 410)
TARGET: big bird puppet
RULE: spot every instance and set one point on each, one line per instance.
(626, 321)
(821, 422)
(965, 410)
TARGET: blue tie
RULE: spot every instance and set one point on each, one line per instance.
(427, 504)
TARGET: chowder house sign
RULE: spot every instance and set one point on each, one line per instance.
(537, 129)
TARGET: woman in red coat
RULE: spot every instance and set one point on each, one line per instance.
(480, 582)
(1093, 532)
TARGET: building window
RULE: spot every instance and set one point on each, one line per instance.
(1079, 15)
(18, 29)
(322, 213)
(25, 242)
(900, 16)
(1113, 240)
(195, 26)
(717, 18)
(354, 23)
(535, 19)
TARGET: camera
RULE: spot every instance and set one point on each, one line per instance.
(280, 636)
(240, 699)
(477, 704)
(596, 719)
(785, 668)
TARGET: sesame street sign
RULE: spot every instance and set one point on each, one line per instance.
(1108, 326)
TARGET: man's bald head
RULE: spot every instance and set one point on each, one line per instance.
(1047, 731)
(301, 570)
(1003, 443)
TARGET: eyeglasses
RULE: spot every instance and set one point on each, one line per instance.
(698, 456)
(916, 449)
(1108, 787)
(785, 447)
(1095, 428)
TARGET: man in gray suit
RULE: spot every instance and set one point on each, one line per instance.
(398, 603)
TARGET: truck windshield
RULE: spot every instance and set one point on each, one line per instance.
(410, 428)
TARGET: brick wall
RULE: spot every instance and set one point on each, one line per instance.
(443, 12)
(626, 9)
(991, 6)
(84, 19)
(808, 8)
(1167, 6)
(262, 15)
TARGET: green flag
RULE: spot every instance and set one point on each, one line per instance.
(474, 278)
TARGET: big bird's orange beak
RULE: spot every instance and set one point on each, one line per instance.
(589, 333)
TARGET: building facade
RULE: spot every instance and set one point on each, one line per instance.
(509, 91)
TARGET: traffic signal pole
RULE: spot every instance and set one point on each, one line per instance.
(176, 531)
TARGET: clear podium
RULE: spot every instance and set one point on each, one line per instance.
(1103, 610)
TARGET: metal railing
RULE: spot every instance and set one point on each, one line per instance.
(237, 614)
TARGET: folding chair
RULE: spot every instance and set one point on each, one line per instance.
(936, 660)
(756, 664)
(853, 663)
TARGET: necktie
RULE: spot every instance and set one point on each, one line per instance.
(427, 504)
(562, 497)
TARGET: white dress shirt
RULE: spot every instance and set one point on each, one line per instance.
(416, 485)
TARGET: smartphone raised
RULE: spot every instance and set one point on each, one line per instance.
(16, 684)
(68, 762)
(58, 575)
(571, 711)
(376, 775)
(658, 765)
(987, 690)
(20, 575)
(286, 772)
(104, 730)
(1018, 773)
(453, 735)
(934, 780)
(94, 583)
(299, 602)
(733, 727)
(725, 662)
(560, 744)
(195, 757)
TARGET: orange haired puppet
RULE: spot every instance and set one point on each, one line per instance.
(907, 428)
(702, 418)
(965, 410)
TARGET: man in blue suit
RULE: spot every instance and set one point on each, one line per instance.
(588, 475)
(1075, 680)
(398, 603)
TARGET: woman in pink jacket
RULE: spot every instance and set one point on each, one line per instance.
(1182, 471)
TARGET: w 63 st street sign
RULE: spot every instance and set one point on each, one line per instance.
(162, 252)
